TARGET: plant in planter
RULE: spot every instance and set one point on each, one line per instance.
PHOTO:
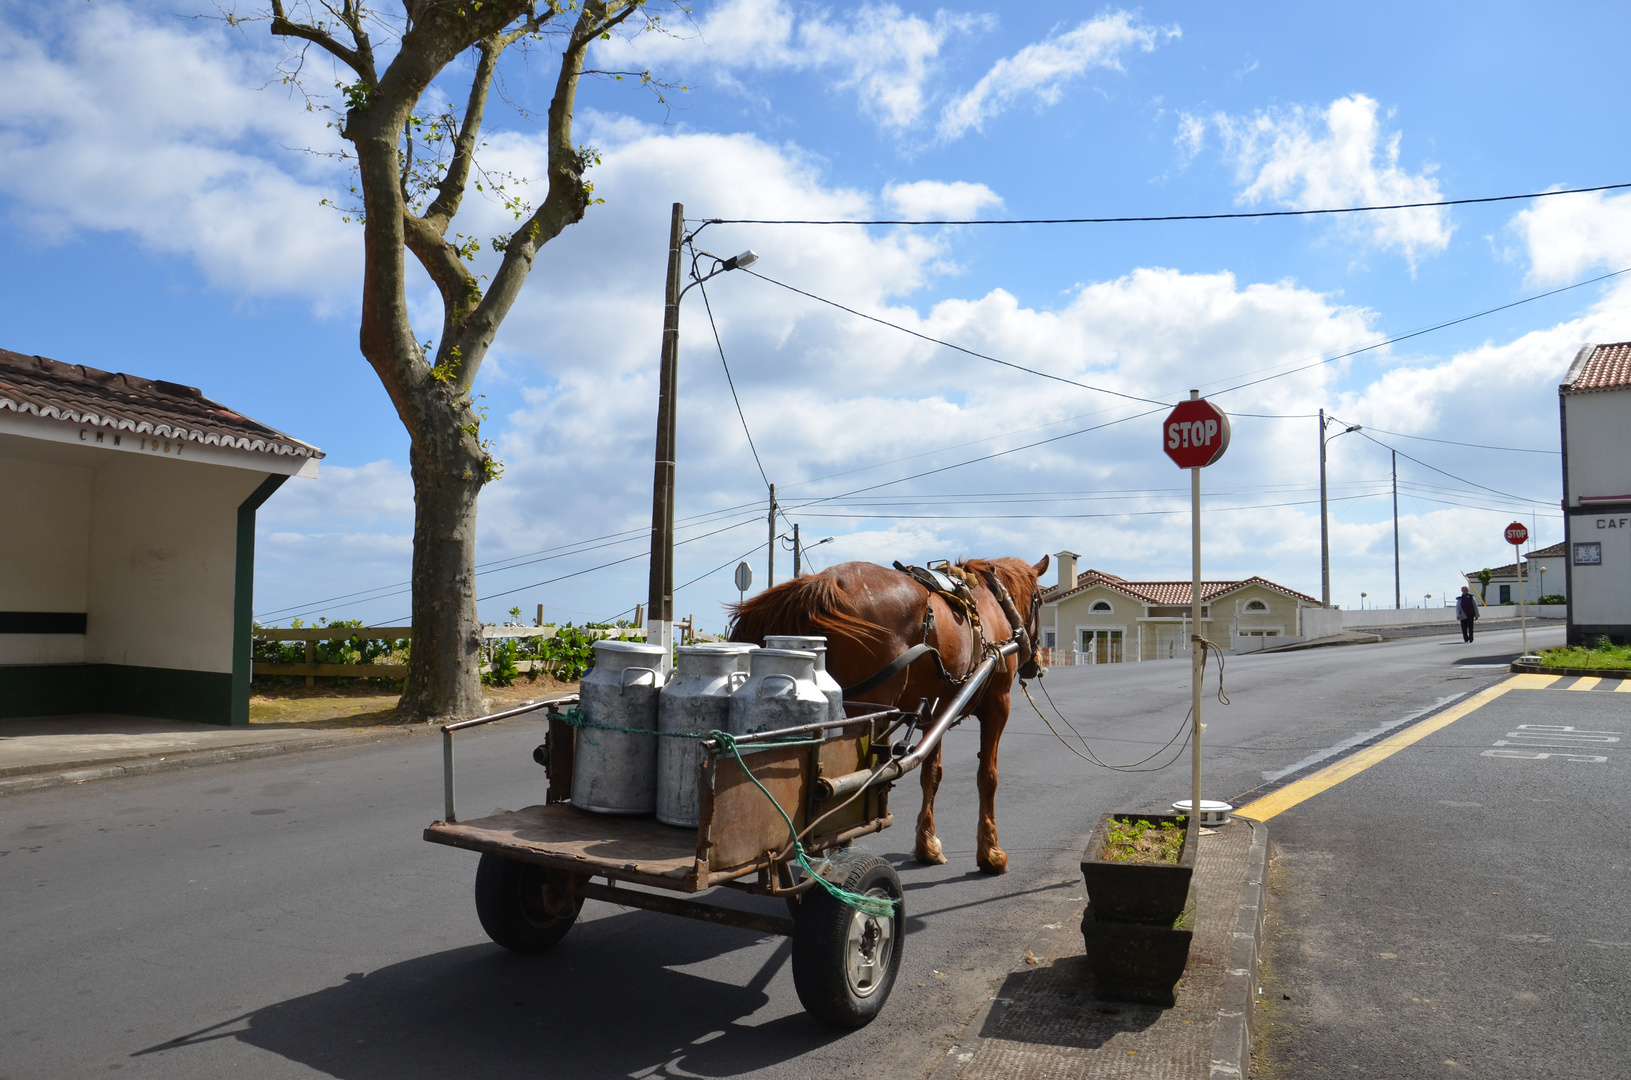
(1138, 869)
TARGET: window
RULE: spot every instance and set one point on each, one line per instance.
(1102, 646)
(1049, 637)
(1102, 605)
(1256, 605)
(1588, 554)
(1506, 594)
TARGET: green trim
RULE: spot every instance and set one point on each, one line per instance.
(169, 693)
(243, 600)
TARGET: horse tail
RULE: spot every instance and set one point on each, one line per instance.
(811, 604)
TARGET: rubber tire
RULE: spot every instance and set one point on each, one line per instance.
(509, 904)
(821, 941)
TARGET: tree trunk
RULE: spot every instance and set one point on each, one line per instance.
(444, 682)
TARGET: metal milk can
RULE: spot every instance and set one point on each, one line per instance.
(738, 649)
(817, 644)
(697, 699)
(614, 772)
(780, 692)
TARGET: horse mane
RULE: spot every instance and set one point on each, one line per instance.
(1015, 574)
(813, 603)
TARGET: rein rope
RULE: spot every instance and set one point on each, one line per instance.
(879, 907)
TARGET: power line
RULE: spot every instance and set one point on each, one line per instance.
(731, 382)
(949, 345)
(1452, 442)
(1159, 217)
(1451, 475)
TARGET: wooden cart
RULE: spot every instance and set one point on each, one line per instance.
(539, 864)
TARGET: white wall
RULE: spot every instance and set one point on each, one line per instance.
(1597, 428)
(163, 550)
(44, 544)
(1602, 593)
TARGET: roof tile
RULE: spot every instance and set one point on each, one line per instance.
(1607, 367)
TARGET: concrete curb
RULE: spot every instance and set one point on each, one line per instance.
(1347, 637)
(1600, 673)
(1232, 1042)
(194, 758)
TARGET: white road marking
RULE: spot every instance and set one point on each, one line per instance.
(1363, 736)
(1537, 755)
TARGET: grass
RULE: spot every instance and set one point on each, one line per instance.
(1602, 655)
(1138, 840)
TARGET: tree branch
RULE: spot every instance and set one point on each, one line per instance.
(450, 192)
(359, 60)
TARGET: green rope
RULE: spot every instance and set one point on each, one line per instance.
(879, 907)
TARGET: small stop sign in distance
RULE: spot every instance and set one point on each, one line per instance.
(1195, 434)
(1517, 533)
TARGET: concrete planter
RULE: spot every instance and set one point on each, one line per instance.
(1134, 949)
(1151, 894)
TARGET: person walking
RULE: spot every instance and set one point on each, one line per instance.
(1466, 609)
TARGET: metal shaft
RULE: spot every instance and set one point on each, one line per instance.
(1325, 526)
(660, 612)
(1396, 596)
(1197, 654)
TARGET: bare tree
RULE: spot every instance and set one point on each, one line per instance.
(412, 174)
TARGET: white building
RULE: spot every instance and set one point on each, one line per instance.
(1542, 573)
(1594, 405)
(127, 543)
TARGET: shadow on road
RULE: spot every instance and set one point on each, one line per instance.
(1054, 1006)
(606, 1002)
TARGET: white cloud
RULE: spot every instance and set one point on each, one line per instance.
(1310, 158)
(115, 122)
(1191, 137)
(1041, 71)
(882, 54)
(1568, 235)
(926, 199)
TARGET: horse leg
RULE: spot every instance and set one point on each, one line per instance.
(928, 844)
(993, 718)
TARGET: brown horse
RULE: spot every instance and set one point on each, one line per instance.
(871, 614)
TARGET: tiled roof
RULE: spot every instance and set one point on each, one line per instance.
(1557, 550)
(1166, 593)
(1600, 367)
(76, 394)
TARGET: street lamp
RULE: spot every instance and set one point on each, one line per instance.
(660, 616)
(1362, 600)
(1325, 519)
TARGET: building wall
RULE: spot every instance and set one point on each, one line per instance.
(1150, 637)
(44, 550)
(1596, 465)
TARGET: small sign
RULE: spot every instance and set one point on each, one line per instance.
(1195, 434)
(1517, 534)
(744, 577)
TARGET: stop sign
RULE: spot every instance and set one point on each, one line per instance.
(1516, 534)
(1195, 434)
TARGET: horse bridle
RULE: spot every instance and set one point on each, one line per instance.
(1028, 668)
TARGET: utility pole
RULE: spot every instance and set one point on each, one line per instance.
(798, 564)
(1325, 528)
(770, 569)
(660, 613)
(1395, 454)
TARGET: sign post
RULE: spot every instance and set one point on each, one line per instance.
(1517, 535)
(744, 580)
(1194, 435)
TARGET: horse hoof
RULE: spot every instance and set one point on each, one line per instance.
(928, 851)
(993, 862)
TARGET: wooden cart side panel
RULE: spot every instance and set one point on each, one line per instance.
(563, 739)
(847, 753)
(739, 822)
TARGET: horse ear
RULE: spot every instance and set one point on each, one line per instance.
(1041, 568)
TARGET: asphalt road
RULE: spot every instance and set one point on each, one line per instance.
(1458, 909)
(282, 918)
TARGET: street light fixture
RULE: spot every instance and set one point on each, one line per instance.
(1325, 519)
(660, 617)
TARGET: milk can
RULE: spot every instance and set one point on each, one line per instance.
(738, 649)
(615, 772)
(697, 699)
(780, 692)
(818, 645)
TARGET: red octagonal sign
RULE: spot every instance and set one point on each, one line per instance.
(1195, 434)
(1516, 533)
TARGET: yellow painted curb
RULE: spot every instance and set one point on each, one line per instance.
(1332, 775)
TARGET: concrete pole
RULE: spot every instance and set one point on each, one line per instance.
(1395, 454)
(660, 614)
(798, 563)
(770, 568)
(1325, 526)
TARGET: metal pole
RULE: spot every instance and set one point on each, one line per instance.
(660, 614)
(798, 563)
(1197, 655)
(770, 569)
(1523, 608)
(1325, 528)
(1395, 454)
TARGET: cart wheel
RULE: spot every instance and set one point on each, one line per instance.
(513, 901)
(844, 962)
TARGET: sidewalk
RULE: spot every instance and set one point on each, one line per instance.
(41, 752)
(1045, 1022)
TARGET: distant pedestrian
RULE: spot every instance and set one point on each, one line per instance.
(1466, 609)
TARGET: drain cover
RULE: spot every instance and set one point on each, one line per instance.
(1212, 811)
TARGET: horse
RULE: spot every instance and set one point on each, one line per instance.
(871, 614)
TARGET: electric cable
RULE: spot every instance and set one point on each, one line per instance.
(1453, 442)
(703, 289)
(1163, 217)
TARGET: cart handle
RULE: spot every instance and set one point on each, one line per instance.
(460, 725)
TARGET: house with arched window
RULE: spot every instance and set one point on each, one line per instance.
(1101, 618)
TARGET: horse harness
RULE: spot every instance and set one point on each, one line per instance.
(955, 585)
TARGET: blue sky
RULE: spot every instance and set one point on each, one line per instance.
(159, 215)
